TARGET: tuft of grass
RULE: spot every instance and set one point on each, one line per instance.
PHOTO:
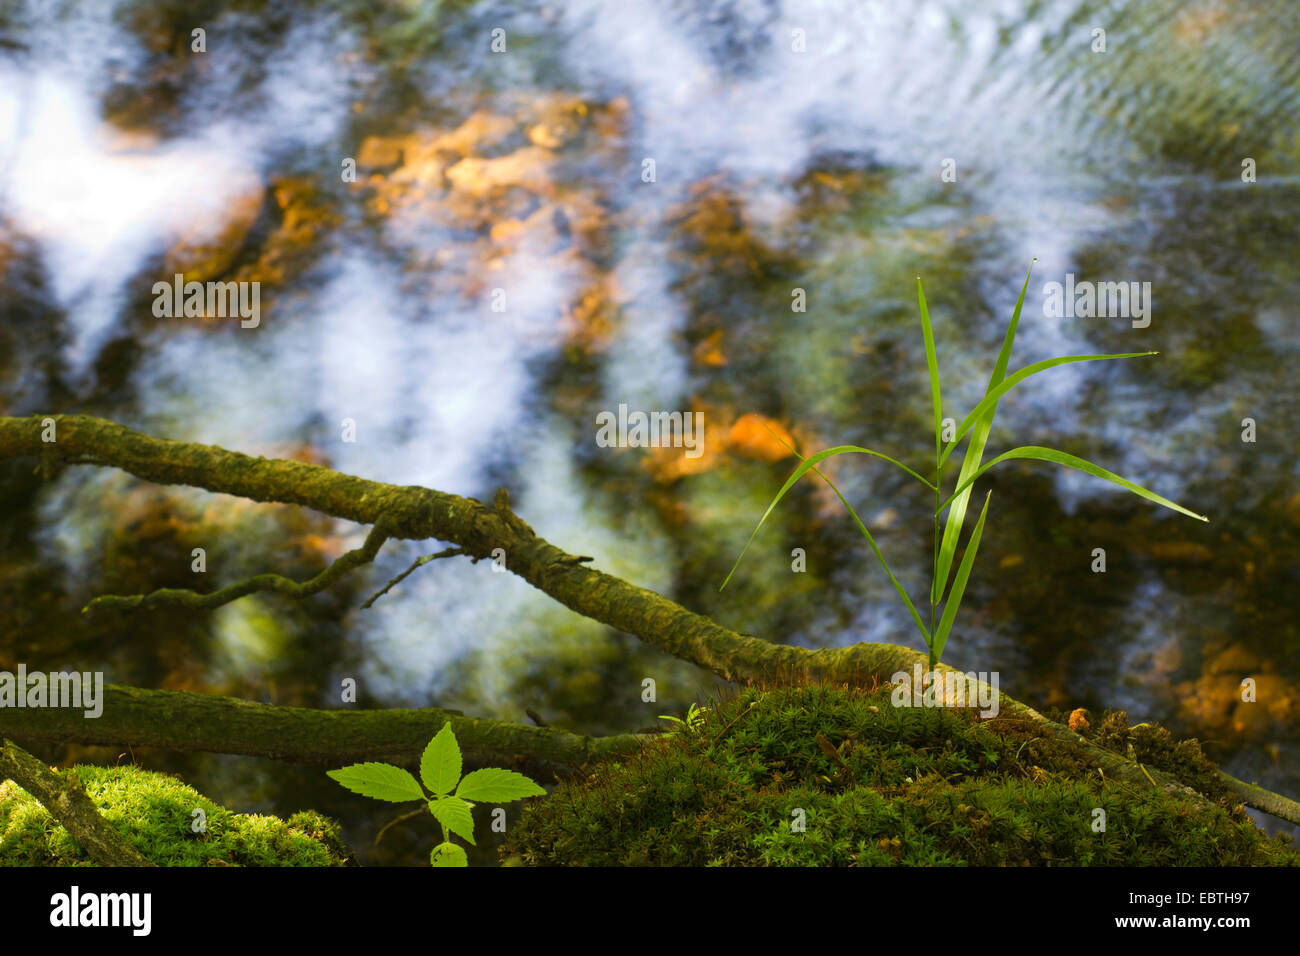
(818, 775)
(977, 424)
(155, 813)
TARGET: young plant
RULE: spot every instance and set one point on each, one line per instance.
(453, 796)
(693, 722)
(978, 424)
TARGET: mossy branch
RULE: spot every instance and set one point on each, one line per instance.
(183, 597)
(186, 721)
(1256, 796)
(66, 800)
(413, 512)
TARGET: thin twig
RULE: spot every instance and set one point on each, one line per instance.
(184, 597)
(419, 563)
(402, 819)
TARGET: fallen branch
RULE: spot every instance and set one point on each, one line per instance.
(67, 801)
(414, 513)
(187, 722)
(1256, 796)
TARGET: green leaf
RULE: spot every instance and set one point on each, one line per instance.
(974, 453)
(959, 585)
(1038, 453)
(449, 854)
(440, 766)
(990, 399)
(805, 466)
(454, 813)
(916, 618)
(695, 716)
(494, 785)
(932, 363)
(381, 781)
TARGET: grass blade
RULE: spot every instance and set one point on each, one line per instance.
(881, 558)
(925, 634)
(958, 587)
(991, 398)
(805, 466)
(974, 454)
(932, 363)
(1038, 453)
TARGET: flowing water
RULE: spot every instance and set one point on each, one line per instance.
(504, 267)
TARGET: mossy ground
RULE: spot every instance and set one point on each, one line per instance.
(155, 812)
(882, 785)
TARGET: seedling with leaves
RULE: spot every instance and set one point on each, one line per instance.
(693, 722)
(453, 796)
(977, 424)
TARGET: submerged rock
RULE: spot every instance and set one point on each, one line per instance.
(209, 247)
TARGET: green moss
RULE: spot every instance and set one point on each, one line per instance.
(155, 813)
(1154, 746)
(877, 785)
